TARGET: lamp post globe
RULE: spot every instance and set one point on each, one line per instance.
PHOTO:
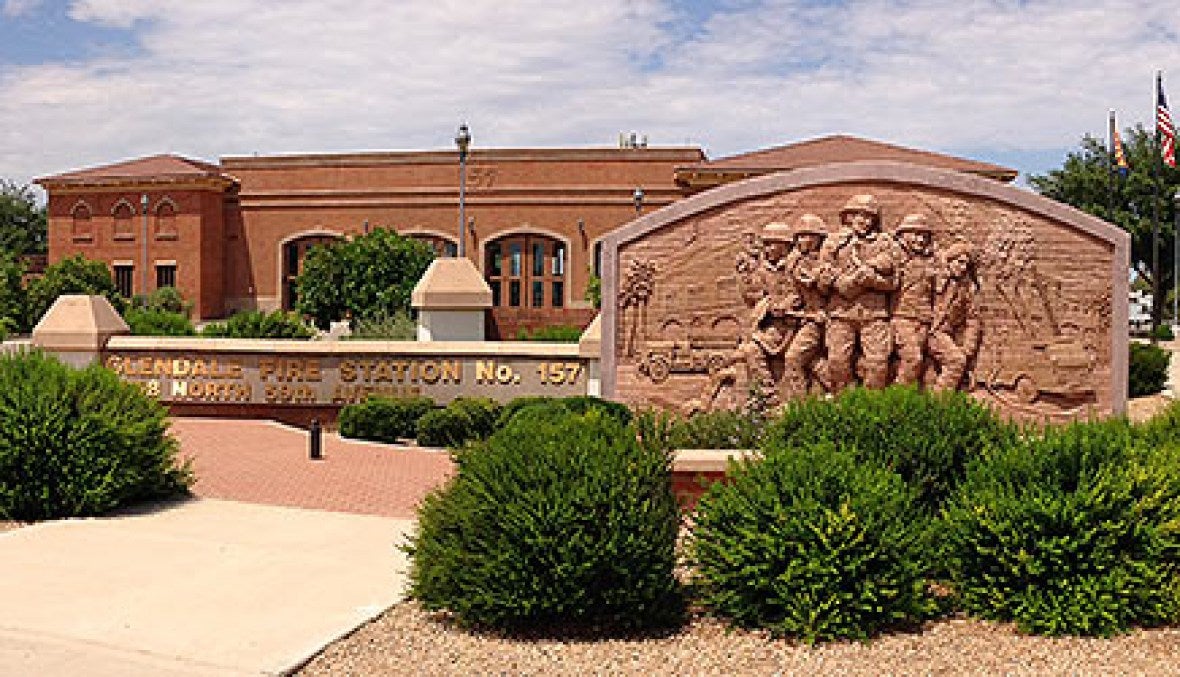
(463, 142)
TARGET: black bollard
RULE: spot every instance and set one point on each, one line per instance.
(315, 451)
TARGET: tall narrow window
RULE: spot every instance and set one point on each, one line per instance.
(125, 279)
(165, 275)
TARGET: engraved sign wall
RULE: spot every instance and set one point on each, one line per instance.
(868, 274)
(188, 376)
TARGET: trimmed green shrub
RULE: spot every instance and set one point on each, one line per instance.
(558, 333)
(465, 419)
(710, 430)
(554, 520)
(1073, 532)
(579, 404)
(257, 324)
(154, 322)
(810, 544)
(384, 326)
(79, 442)
(384, 419)
(1163, 333)
(926, 437)
(1148, 369)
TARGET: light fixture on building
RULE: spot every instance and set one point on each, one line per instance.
(637, 196)
(463, 142)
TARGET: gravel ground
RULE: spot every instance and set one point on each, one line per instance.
(406, 640)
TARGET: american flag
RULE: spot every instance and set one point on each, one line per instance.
(1164, 128)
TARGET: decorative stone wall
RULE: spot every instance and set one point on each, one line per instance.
(869, 274)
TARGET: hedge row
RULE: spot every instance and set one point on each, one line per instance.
(855, 509)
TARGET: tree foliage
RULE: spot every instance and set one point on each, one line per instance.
(370, 275)
(1085, 181)
(75, 275)
(12, 293)
(22, 220)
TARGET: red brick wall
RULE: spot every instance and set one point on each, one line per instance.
(196, 246)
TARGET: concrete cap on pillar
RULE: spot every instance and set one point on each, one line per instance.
(451, 284)
(78, 323)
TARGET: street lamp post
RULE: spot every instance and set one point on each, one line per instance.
(463, 141)
(1176, 258)
(143, 207)
(637, 196)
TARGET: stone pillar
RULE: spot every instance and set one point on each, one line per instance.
(590, 348)
(451, 299)
(76, 328)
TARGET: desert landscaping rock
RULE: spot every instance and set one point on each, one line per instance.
(407, 640)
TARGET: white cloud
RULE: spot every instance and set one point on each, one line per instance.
(18, 8)
(222, 78)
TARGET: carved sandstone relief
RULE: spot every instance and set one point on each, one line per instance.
(824, 288)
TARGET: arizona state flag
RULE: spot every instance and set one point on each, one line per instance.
(1164, 129)
(1120, 155)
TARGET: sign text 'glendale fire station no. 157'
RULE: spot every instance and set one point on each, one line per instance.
(341, 379)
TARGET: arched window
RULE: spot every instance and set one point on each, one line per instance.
(166, 220)
(81, 226)
(441, 245)
(123, 215)
(294, 251)
(527, 271)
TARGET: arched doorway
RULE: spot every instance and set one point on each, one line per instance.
(293, 253)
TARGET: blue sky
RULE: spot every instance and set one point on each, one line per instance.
(1016, 82)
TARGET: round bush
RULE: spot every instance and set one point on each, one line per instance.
(1148, 371)
(1072, 532)
(79, 442)
(463, 420)
(926, 437)
(556, 520)
(384, 419)
(811, 545)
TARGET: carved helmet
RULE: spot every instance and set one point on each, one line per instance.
(866, 204)
(958, 249)
(810, 224)
(914, 223)
(777, 232)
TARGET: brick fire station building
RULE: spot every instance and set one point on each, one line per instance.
(233, 235)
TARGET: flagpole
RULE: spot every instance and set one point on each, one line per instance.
(1156, 302)
(1111, 168)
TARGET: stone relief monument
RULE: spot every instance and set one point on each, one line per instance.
(868, 274)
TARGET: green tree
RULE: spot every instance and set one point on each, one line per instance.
(1084, 181)
(22, 220)
(12, 293)
(369, 276)
(75, 275)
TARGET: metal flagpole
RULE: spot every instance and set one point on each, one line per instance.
(1155, 213)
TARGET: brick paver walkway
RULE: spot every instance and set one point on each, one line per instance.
(265, 462)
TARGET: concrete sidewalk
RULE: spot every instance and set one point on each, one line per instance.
(201, 587)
